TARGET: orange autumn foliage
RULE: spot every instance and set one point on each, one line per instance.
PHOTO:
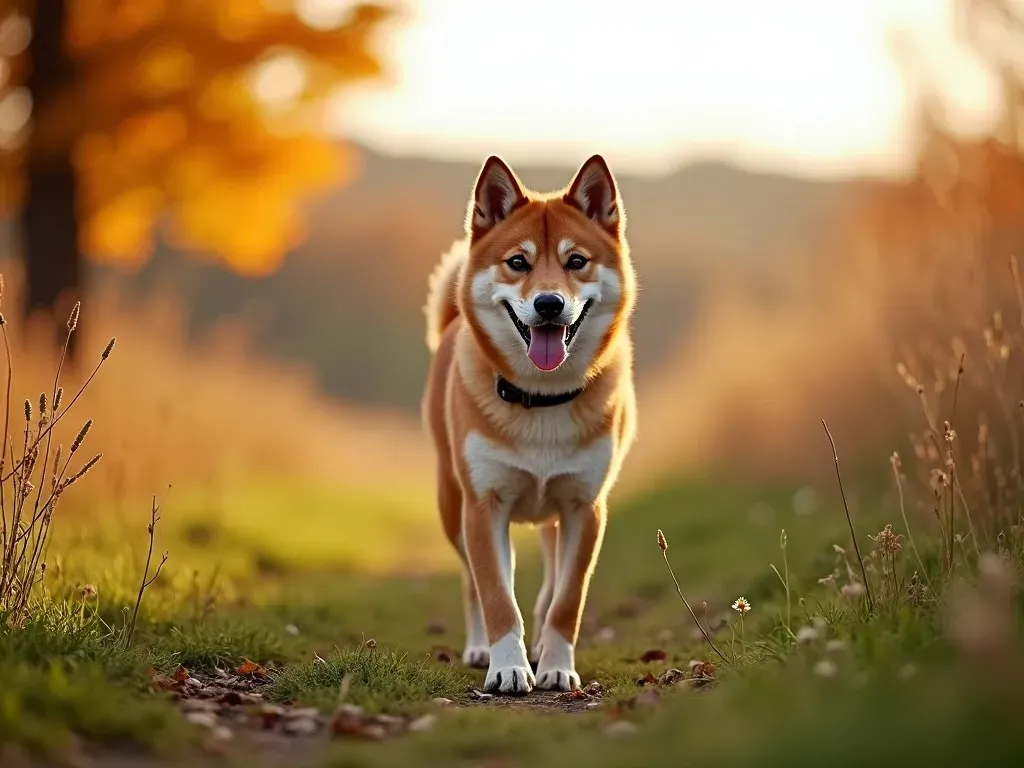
(202, 118)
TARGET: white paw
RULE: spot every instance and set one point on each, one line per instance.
(509, 671)
(536, 651)
(476, 656)
(558, 680)
(556, 670)
(513, 681)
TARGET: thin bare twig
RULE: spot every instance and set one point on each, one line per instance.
(663, 546)
(146, 581)
(849, 518)
(7, 424)
(906, 523)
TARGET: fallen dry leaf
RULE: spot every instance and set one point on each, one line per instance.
(181, 674)
(443, 654)
(574, 695)
(655, 654)
(250, 668)
(269, 715)
(436, 628)
(647, 679)
(703, 669)
(349, 720)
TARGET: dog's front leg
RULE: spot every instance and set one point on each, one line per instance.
(581, 531)
(491, 560)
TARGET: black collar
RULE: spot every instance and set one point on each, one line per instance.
(510, 393)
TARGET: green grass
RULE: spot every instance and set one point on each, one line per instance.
(64, 675)
(379, 679)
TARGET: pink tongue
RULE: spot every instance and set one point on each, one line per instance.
(547, 346)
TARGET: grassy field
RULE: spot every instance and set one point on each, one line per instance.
(363, 589)
(294, 621)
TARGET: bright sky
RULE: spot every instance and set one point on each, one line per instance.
(804, 86)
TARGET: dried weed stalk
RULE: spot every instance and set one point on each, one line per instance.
(969, 465)
(849, 517)
(31, 485)
(147, 581)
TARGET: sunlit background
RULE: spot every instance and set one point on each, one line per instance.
(807, 89)
(250, 195)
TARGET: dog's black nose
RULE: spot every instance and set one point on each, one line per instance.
(549, 305)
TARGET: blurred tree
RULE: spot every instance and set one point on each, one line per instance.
(995, 29)
(202, 117)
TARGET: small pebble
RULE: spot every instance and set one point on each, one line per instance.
(605, 634)
(298, 712)
(672, 677)
(423, 723)
(621, 728)
(202, 719)
(648, 697)
(301, 726)
(826, 668)
(221, 733)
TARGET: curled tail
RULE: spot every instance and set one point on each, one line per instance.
(442, 308)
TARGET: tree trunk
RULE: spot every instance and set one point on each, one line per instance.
(53, 263)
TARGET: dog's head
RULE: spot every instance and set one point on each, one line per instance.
(548, 286)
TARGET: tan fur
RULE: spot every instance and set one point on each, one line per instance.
(441, 306)
(499, 462)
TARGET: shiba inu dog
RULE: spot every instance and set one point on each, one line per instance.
(531, 406)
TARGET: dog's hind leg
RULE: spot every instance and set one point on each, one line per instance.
(549, 552)
(580, 536)
(477, 651)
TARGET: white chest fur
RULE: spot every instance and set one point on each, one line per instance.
(526, 476)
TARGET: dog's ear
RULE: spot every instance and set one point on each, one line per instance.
(497, 193)
(595, 193)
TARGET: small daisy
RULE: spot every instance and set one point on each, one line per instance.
(826, 668)
(806, 635)
(741, 605)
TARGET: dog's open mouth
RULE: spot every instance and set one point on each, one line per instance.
(547, 345)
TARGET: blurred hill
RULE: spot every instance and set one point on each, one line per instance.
(348, 303)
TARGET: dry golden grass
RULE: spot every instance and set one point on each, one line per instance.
(916, 273)
(197, 415)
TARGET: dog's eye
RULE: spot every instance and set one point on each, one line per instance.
(518, 263)
(576, 262)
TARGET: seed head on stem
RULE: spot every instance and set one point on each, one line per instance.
(663, 546)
